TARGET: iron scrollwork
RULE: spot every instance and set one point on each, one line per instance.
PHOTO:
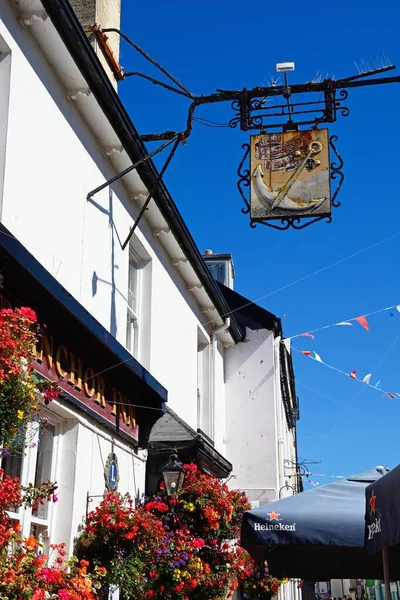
(286, 223)
(244, 179)
(255, 114)
(336, 171)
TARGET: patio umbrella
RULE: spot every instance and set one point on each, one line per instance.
(317, 535)
(382, 520)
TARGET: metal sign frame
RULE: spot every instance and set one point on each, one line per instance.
(244, 185)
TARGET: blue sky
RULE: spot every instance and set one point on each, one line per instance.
(231, 45)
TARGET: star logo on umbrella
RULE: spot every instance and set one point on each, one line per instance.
(372, 502)
(273, 516)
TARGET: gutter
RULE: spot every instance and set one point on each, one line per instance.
(71, 32)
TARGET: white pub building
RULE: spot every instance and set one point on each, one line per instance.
(150, 344)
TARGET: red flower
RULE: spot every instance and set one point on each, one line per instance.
(28, 313)
(84, 563)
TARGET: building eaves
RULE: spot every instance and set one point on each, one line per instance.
(80, 49)
(249, 314)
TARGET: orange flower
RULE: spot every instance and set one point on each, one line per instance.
(31, 543)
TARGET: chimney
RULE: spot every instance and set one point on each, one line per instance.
(94, 16)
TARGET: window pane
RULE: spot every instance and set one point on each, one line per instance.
(43, 465)
(41, 534)
(12, 465)
(131, 334)
(203, 391)
(133, 284)
(217, 270)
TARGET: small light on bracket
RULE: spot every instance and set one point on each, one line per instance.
(285, 66)
(173, 474)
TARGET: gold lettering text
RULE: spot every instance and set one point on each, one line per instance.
(61, 350)
(75, 376)
(101, 387)
(115, 400)
(124, 410)
(88, 379)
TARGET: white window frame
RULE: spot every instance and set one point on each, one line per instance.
(5, 81)
(133, 313)
(27, 475)
(204, 391)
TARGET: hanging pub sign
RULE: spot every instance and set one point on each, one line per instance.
(290, 175)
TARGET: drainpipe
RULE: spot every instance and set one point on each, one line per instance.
(278, 411)
(213, 339)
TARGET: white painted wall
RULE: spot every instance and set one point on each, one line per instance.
(257, 437)
(82, 450)
(52, 161)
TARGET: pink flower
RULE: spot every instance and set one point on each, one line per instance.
(54, 498)
(63, 594)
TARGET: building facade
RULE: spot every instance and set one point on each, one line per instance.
(127, 328)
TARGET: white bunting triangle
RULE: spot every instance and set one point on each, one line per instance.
(317, 357)
(345, 323)
(367, 378)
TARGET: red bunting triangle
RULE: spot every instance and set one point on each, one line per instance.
(306, 352)
(389, 395)
(363, 322)
(310, 335)
(353, 375)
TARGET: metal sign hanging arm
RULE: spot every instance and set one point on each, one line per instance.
(246, 101)
(150, 194)
(90, 195)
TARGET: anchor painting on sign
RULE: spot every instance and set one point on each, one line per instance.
(289, 175)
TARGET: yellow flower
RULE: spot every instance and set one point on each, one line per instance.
(20, 414)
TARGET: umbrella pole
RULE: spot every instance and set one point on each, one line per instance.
(386, 576)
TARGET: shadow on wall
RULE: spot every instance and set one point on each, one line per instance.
(95, 278)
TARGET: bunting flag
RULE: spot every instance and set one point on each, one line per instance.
(313, 483)
(363, 322)
(353, 375)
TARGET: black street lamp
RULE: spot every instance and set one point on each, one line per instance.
(173, 474)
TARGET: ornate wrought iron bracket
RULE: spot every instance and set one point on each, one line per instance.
(260, 108)
(243, 185)
(89, 499)
(299, 469)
